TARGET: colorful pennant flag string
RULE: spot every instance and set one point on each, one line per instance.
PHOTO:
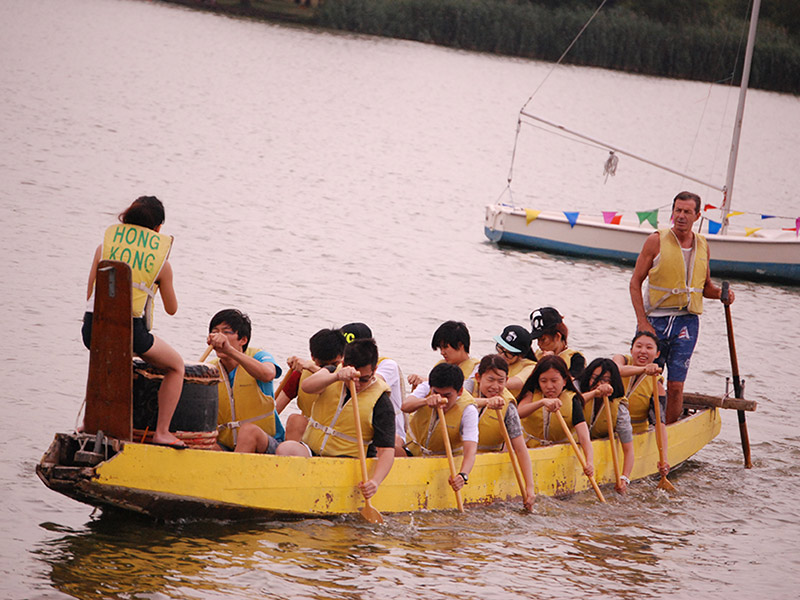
(608, 216)
(651, 216)
(531, 215)
(748, 231)
(735, 213)
(767, 217)
(709, 207)
(713, 227)
(572, 217)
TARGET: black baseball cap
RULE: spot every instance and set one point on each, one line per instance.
(514, 338)
(542, 319)
(355, 331)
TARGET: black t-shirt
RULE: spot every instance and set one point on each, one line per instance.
(383, 424)
(577, 410)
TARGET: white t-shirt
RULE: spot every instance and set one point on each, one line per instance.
(389, 371)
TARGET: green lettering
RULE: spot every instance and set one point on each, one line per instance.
(144, 234)
(128, 238)
(118, 234)
(113, 253)
(127, 258)
(149, 261)
(138, 259)
(154, 242)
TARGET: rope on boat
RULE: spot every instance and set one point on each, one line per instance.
(610, 168)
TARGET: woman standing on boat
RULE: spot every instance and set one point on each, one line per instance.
(138, 242)
(637, 369)
(550, 332)
(549, 389)
(601, 379)
(491, 392)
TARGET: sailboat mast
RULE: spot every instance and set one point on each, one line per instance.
(737, 128)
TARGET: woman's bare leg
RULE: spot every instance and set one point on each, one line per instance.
(164, 356)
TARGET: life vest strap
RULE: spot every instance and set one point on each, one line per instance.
(237, 424)
(331, 431)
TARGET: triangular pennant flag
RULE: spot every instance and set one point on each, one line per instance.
(651, 216)
(713, 227)
(608, 216)
(572, 217)
(616, 220)
(767, 216)
(797, 226)
(751, 230)
(531, 215)
(735, 213)
(709, 207)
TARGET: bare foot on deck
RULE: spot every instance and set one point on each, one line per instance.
(167, 439)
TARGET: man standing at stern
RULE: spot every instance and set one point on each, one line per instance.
(675, 263)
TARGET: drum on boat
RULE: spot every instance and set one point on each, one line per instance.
(195, 418)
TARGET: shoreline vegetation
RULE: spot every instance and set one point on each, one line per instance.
(703, 43)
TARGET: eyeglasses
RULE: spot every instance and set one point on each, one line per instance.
(366, 378)
(505, 352)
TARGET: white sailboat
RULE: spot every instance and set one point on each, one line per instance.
(762, 254)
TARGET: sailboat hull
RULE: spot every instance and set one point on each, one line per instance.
(774, 259)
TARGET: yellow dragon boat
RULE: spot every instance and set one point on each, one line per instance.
(103, 466)
(168, 483)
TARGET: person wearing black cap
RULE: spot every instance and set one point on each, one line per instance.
(550, 332)
(514, 344)
(390, 372)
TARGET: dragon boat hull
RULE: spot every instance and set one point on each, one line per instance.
(167, 483)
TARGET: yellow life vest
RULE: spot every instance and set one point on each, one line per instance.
(425, 431)
(668, 284)
(305, 400)
(331, 427)
(522, 369)
(596, 420)
(490, 438)
(248, 402)
(540, 429)
(145, 251)
(566, 354)
(639, 392)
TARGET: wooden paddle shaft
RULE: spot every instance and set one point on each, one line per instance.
(737, 384)
(614, 459)
(657, 407)
(578, 453)
(206, 353)
(512, 456)
(369, 512)
(449, 451)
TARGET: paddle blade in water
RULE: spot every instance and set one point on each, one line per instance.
(371, 514)
(665, 484)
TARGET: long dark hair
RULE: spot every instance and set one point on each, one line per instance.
(606, 365)
(551, 361)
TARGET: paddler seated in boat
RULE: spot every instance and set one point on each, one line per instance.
(492, 394)
(636, 370)
(675, 264)
(331, 427)
(446, 389)
(246, 419)
(389, 371)
(327, 348)
(550, 332)
(547, 390)
(515, 346)
(601, 379)
(452, 341)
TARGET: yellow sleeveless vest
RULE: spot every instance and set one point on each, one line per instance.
(522, 368)
(541, 429)
(668, 284)
(490, 438)
(566, 354)
(426, 435)
(305, 400)
(639, 391)
(145, 251)
(597, 423)
(331, 427)
(248, 402)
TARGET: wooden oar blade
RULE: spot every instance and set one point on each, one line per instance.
(371, 514)
(665, 484)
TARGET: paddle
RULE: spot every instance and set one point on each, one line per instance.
(737, 384)
(662, 455)
(614, 459)
(449, 451)
(368, 512)
(578, 453)
(512, 455)
(206, 353)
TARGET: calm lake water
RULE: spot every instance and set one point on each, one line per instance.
(313, 179)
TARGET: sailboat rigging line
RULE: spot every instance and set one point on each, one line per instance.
(546, 77)
(621, 151)
(566, 136)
